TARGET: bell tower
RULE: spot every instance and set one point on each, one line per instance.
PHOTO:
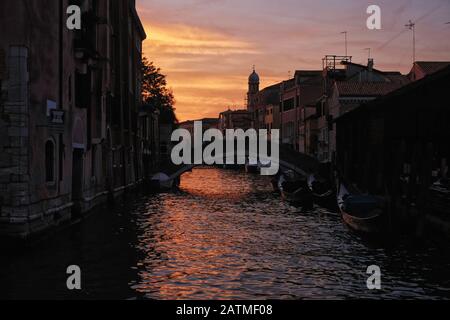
(253, 89)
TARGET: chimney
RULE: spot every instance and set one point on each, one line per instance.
(370, 64)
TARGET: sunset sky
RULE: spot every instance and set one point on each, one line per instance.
(207, 47)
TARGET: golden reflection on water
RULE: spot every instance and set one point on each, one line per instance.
(200, 238)
(226, 235)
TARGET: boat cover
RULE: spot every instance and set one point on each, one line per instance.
(360, 205)
(161, 177)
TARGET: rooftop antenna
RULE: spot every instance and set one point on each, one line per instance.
(289, 74)
(346, 43)
(369, 51)
(412, 26)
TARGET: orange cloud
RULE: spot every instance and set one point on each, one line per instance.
(200, 68)
(207, 48)
(191, 40)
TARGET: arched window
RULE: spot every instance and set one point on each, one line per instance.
(50, 161)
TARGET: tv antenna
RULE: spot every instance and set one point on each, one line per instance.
(346, 43)
(369, 50)
(412, 26)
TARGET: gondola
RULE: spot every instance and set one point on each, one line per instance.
(274, 183)
(322, 191)
(295, 190)
(440, 197)
(251, 168)
(162, 182)
(362, 213)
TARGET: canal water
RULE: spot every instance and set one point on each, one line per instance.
(224, 235)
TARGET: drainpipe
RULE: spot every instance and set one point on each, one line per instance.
(60, 54)
(60, 89)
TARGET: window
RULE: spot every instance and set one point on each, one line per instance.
(82, 90)
(50, 161)
(289, 104)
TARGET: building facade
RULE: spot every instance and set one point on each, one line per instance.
(298, 100)
(235, 119)
(69, 107)
(398, 146)
(207, 123)
(348, 85)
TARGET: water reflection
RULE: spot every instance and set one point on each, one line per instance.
(224, 235)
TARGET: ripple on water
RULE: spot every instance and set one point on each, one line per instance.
(227, 235)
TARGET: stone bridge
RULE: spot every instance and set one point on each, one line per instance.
(289, 159)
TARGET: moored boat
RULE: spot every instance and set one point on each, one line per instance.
(274, 183)
(440, 197)
(251, 168)
(362, 213)
(295, 190)
(162, 182)
(322, 191)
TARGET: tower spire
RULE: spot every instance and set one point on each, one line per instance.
(253, 89)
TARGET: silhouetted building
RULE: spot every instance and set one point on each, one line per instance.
(235, 119)
(207, 123)
(422, 69)
(398, 146)
(253, 89)
(69, 107)
(348, 85)
(296, 96)
(149, 140)
(263, 104)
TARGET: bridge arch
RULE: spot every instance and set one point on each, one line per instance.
(265, 161)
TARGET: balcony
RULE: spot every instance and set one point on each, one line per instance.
(56, 120)
(57, 117)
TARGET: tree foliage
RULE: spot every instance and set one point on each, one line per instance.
(155, 92)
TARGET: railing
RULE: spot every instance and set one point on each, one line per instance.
(57, 117)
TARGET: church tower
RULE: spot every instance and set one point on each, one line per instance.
(253, 89)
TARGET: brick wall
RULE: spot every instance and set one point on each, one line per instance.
(14, 178)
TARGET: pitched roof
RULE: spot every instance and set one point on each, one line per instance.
(430, 67)
(272, 87)
(442, 75)
(397, 77)
(269, 95)
(288, 84)
(359, 65)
